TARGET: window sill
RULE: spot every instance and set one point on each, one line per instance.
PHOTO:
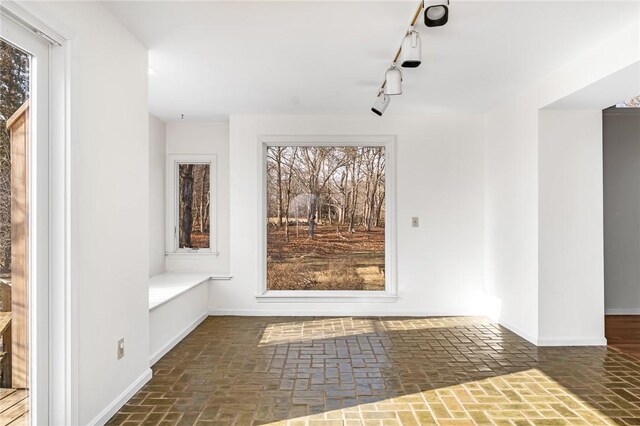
(314, 296)
(187, 254)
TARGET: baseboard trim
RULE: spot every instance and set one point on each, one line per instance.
(556, 341)
(568, 341)
(622, 311)
(122, 399)
(166, 348)
(333, 313)
(518, 331)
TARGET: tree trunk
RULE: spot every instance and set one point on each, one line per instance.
(379, 208)
(372, 197)
(203, 213)
(345, 196)
(365, 204)
(279, 171)
(354, 197)
(207, 218)
(286, 211)
(319, 210)
(288, 194)
(186, 204)
(311, 217)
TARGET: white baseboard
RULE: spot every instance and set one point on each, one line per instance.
(570, 341)
(518, 331)
(334, 313)
(122, 399)
(555, 341)
(632, 311)
(166, 348)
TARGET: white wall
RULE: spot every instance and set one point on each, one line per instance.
(157, 208)
(622, 211)
(110, 136)
(571, 268)
(440, 178)
(511, 218)
(514, 275)
(205, 138)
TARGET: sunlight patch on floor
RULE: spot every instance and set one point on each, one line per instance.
(306, 330)
(526, 397)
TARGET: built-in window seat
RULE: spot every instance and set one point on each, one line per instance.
(165, 287)
(178, 302)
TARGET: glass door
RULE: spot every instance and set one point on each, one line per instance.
(23, 225)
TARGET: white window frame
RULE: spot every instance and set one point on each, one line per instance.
(390, 293)
(173, 161)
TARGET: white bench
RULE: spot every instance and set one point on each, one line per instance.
(168, 286)
(178, 302)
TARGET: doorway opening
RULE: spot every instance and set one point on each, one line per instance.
(621, 170)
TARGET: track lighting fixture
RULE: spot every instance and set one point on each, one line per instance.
(393, 80)
(436, 12)
(381, 104)
(411, 50)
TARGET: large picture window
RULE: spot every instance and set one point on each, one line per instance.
(190, 202)
(326, 217)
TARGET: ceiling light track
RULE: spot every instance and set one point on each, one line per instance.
(436, 14)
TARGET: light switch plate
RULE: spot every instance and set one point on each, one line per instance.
(121, 348)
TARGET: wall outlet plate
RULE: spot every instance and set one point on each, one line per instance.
(121, 348)
(415, 222)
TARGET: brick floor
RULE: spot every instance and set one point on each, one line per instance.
(381, 371)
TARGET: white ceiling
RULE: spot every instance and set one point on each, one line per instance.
(213, 59)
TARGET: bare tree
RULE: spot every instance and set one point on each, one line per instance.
(288, 190)
(275, 155)
(319, 165)
(341, 185)
(355, 181)
(205, 201)
(186, 204)
(373, 180)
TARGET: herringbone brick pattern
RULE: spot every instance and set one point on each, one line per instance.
(381, 371)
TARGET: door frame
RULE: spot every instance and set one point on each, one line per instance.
(58, 403)
(37, 191)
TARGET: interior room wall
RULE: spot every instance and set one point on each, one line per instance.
(110, 177)
(440, 179)
(157, 190)
(205, 138)
(622, 210)
(514, 172)
(511, 218)
(570, 233)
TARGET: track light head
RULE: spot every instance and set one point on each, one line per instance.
(436, 12)
(381, 104)
(411, 50)
(393, 81)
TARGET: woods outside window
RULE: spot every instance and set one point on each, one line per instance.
(327, 213)
(191, 200)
